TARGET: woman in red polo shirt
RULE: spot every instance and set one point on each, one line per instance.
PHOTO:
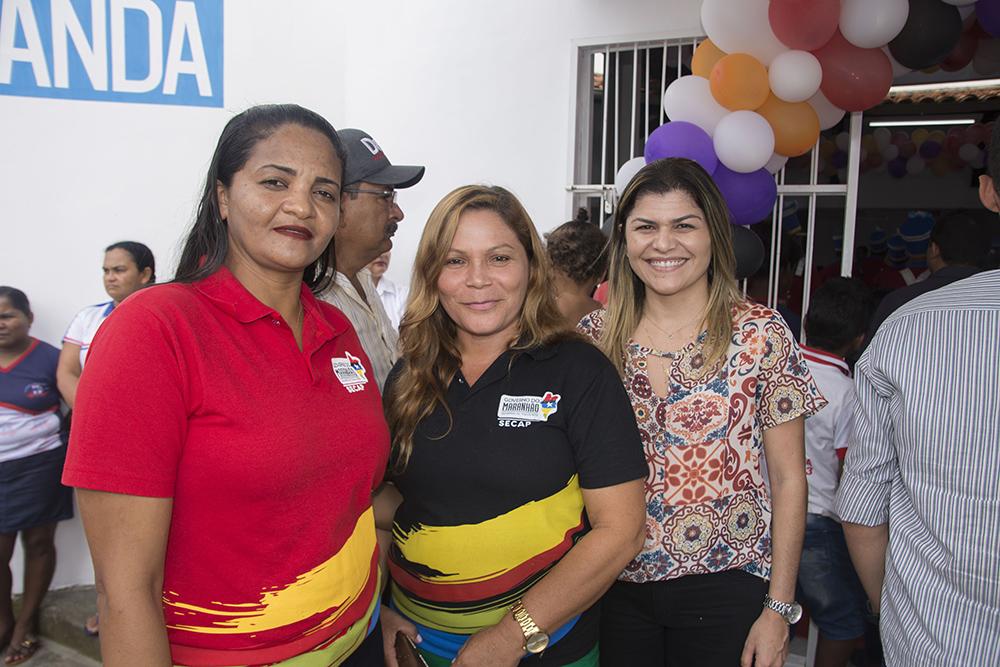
(227, 501)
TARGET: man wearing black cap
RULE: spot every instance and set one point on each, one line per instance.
(369, 217)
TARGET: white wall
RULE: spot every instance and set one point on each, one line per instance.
(476, 91)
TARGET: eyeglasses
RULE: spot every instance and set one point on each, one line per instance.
(388, 194)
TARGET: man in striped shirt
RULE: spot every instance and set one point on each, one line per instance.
(920, 495)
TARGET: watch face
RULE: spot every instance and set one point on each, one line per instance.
(537, 642)
(794, 613)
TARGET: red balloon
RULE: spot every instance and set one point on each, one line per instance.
(952, 143)
(975, 28)
(804, 24)
(962, 54)
(854, 79)
(900, 138)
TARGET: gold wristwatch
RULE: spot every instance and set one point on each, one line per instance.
(535, 641)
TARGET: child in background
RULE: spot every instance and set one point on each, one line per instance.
(828, 587)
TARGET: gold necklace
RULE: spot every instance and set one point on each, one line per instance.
(670, 335)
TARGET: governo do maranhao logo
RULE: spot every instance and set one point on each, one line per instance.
(143, 51)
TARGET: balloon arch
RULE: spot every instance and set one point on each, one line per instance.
(773, 74)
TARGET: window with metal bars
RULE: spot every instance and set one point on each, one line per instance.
(620, 101)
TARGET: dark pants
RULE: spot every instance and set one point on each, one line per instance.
(700, 619)
(369, 654)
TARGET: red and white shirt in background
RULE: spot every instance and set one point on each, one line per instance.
(828, 431)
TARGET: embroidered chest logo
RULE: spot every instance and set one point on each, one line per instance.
(522, 411)
(350, 371)
(36, 390)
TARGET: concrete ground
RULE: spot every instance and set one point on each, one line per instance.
(52, 654)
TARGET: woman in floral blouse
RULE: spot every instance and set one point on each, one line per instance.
(720, 392)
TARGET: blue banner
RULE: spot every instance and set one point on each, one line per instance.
(143, 51)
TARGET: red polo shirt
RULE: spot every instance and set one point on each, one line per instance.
(198, 392)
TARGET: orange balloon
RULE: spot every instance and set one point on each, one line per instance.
(704, 58)
(739, 81)
(795, 125)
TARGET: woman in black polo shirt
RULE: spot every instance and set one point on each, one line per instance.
(516, 452)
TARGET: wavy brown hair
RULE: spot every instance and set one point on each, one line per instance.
(627, 294)
(427, 336)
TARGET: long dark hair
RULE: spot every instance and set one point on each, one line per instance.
(141, 255)
(208, 241)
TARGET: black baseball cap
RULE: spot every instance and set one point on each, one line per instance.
(366, 161)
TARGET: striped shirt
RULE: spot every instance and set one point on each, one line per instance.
(378, 337)
(926, 459)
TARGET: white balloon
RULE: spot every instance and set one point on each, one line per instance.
(795, 76)
(829, 115)
(915, 165)
(741, 27)
(965, 11)
(776, 163)
(744, 141)
(883, 137)
(898, 70)
(968, 152)
(690, 99)
(890, 152)
(870, 24)
(627, 172)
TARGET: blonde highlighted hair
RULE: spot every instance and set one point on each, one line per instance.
(627, 293)
(427, 335)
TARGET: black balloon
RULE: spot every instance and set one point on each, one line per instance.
(932, 30)
(749, 250)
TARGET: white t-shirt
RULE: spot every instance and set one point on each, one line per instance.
(827, 432)
(393, 299)
(84, 327)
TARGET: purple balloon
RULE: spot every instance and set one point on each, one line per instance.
(930, 149)
(681, 139)
(897, 167)
(988, 15)
(750, 196)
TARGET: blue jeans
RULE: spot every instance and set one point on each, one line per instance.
(828, 586)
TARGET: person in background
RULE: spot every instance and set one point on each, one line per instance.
(838, 316)
(577, 252)
(393, 296)
(225, 481)
(32, 451)
(918, 497)
(369, 220)
(128, 267)
(516, 453)
(718, 387)
(959, 244)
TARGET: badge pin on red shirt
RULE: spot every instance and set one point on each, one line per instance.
(350, 371)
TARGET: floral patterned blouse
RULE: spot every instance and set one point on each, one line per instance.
(707, 506)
